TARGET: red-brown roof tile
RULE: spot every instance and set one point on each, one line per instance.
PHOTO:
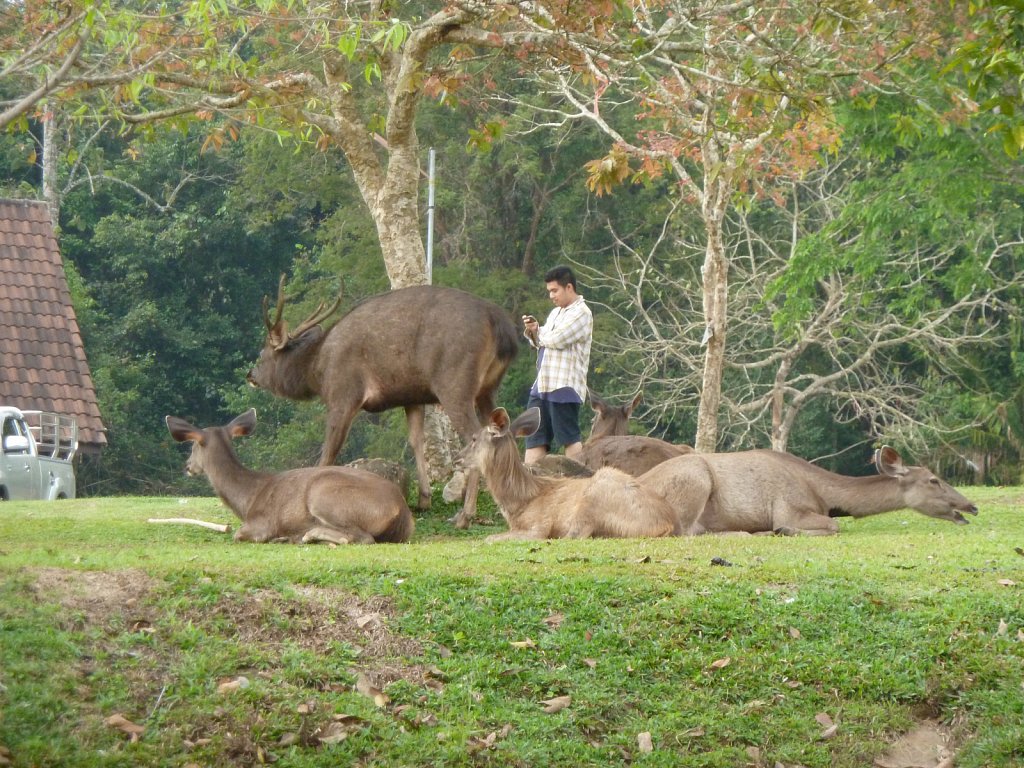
(42, 360)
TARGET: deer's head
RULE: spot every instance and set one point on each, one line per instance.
(210, 446)
(495, 444)
(280, 367)
(611, 420)
(922, 490)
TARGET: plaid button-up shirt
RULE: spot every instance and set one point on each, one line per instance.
(564, 343)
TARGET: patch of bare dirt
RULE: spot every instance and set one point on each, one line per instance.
(95, 595)
(929, 745)
(317, 622)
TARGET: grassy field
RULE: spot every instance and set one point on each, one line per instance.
(124, 643)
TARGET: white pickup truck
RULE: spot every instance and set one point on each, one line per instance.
(36, 449)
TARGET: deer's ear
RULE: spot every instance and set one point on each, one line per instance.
(526, 423)
(636, 401)
(889, 463)
(499, 419)
(596, 402)
(243, 424)
(182, 431)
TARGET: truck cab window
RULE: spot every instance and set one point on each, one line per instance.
(12, 429)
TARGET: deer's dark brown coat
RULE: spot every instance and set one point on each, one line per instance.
(403, 349)
(611, 445)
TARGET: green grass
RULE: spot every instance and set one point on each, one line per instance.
(895, 620)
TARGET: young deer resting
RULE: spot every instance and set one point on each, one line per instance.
(611, 445)
(762, 491)
(610, 504)
(341, 505)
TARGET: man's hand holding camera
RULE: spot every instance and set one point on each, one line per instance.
(531, 327)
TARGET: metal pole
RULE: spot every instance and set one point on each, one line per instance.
(430, 217)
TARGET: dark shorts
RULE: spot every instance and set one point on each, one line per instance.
(559, 424)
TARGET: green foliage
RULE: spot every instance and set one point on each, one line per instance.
(991, 60)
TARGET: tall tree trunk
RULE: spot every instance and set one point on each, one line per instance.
(51, 150)
(715, 287)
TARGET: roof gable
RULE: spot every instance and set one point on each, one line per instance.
(42, 359)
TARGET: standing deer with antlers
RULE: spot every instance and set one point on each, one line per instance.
(403, 349)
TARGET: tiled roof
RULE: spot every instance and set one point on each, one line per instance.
(42, 360)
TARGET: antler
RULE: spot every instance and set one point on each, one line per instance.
(277, 331)
(280, 307)
(319, 315)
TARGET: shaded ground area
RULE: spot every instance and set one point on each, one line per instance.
(325, 622)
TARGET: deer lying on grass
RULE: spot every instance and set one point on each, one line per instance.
(769, 491)
(341, 505)
(611, 445)
(610, 504)
(407, 348)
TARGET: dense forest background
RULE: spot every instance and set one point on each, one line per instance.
(874, 294)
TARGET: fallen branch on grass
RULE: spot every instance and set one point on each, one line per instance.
(190, 521)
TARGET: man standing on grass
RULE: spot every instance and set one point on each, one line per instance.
(563, 345)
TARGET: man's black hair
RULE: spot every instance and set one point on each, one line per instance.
(563, 275)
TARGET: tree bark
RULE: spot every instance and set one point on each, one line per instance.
(51, 189)
(715, 287)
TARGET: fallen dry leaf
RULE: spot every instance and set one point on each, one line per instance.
(823, 719)
(720, 663)
(126, 726)
(555, 620)
(288, 740)
(829, 732)
(592, 663)
(794, 633)
(370, 691)
(368, 619)
(1003, 627)
(487, 742)
(334, 733)
(527, 643)
(556, 704)
(1007, 583)
(232, 685)
(644, 742)
(692, 733)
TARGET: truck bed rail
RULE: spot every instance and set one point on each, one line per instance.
(56, 435)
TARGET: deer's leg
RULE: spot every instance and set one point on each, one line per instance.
(580, 531)
(414, 418)
(467, 424)
(468, 511)
(794, 523)
(340, 535)
(338, 423)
